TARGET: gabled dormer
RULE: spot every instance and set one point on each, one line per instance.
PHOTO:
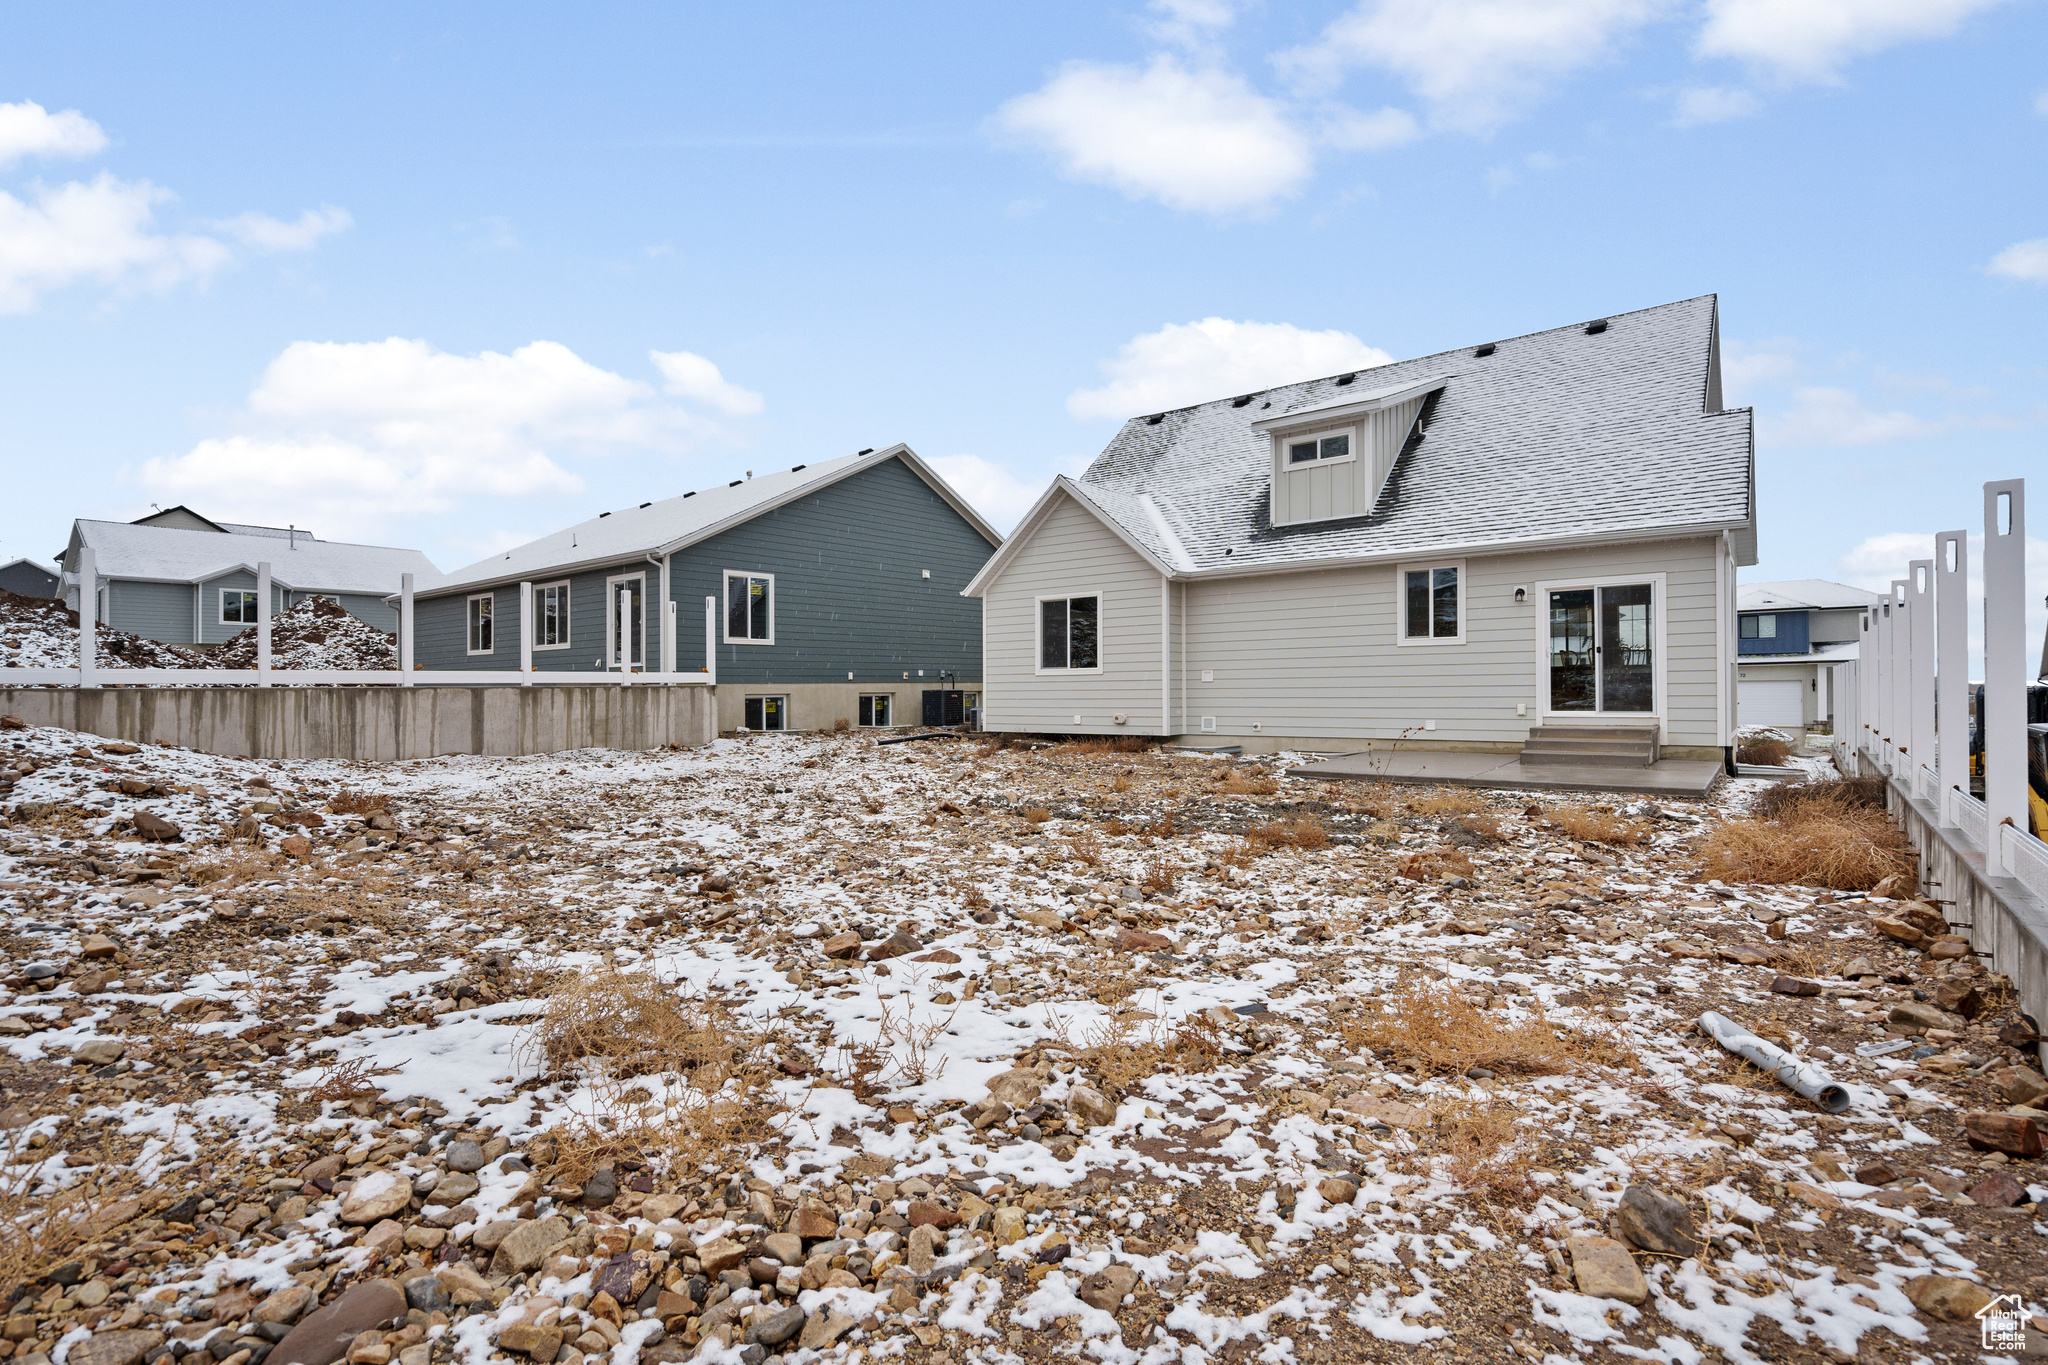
(1330, 460)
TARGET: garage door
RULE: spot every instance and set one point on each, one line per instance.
(1776, 702)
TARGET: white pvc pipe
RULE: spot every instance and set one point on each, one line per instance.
(1801, 1078)
(526, 634)
(711, 640)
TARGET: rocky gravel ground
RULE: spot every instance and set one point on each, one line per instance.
(804, 1047)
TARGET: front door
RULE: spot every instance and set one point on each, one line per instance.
(1601, 650)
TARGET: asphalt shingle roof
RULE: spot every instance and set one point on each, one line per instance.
(1556, 434)
(169, 554)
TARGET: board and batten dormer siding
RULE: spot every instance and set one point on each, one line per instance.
(1341, 488)
(1071, 553)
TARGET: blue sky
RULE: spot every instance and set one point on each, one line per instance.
(454, 276)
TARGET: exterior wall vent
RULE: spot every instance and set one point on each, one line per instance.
(1596, 327)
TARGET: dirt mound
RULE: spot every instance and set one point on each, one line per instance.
(318, 633)
(41, 632)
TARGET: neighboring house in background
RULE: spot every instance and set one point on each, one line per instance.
(1784, 635)
(837, 584)
(1527, 546)
(181, 578)
(28, 578)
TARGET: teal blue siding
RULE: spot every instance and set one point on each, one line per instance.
(155, 611)
(850, 596)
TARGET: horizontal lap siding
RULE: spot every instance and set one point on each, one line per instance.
(155, 611)
(213, 630)
(1073, 552)
(1314, 654)
(850, 595)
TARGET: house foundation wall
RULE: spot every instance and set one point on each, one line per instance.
(379, 724)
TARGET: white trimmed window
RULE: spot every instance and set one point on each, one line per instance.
(1070, 634)
(237, 607)
(1318, 448)
(1432, 603)
(876, 709)
(480, 622)
(749, 609)
(551, 616)
(767, 713)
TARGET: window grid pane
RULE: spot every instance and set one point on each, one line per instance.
(1418, 604)
(1301, 453)
(1336, 447)
(1052, 633)
(1445, 600)
(757, 600)
(736, 613)
(1081, 632)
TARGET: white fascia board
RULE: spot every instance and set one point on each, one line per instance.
(1356, 406)
(1474, 549)
(1020, 537)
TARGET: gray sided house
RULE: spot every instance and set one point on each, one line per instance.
(181, 578)
(28, 578)
(1786, 637)
(1528, 542)
(836, 588)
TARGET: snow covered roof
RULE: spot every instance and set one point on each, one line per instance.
(1563, 436)
(1799, 594)
(666, 526)
(168, 554)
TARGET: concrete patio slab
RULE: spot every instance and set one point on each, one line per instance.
(1684, 778)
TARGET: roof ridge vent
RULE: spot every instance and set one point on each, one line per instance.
(1155, 419)
(869, 451)
(1482, 351)
(647, 504)
(1346, 378)
(1596, 327)
(1245, 401)
(798, 468)
(602, 515)
(735, 483)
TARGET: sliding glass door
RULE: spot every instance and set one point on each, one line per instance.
(1601, 650)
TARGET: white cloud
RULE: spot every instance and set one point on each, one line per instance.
(1509, 173)
(1838, 417)
(692, 376)
(370, 432)
(1811, 40)
(1355, 131)
(1191, 24)
(1747, 365)
(104, 230)
(1476, 62)
(1197, 140)
(265, 233)
(27, 129)
(1713, 104)
(2041, 104)
(1184, 363)
(2023, 261)
(994, 490)
(1878, 559)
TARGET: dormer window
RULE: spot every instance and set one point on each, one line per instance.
(1335, 445)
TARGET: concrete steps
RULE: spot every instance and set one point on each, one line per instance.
(1591, 746)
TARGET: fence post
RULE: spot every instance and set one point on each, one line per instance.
(711, 640)
(88, 614)
(1866, 669)
(1920, 680)
(2005, 683)
(526, 634)
(405, 630)
(668, 618)
(1901, 655)
(263, 623)
(1952, 666)
(1881, 695)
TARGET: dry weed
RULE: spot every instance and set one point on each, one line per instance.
(1034, 815)
(1160, 878)
(1303, 831)
(1818, 843)
(351, 802)
(1597, 826)
(669, 1075)
(1849, 793)
(349, 1080)
(1763, 753)
(1086, 846)
(1485, 827)
(1432, 1023)
(39, 1230)
(1484, 1150)
(1120, 783)
(1450, 801)
(1435, 864)
(1236, 782)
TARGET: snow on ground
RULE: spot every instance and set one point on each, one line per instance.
(1056, 1054)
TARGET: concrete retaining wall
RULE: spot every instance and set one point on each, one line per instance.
(2001, 918)
(379, 723)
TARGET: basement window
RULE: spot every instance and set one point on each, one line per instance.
(749, 609)
(1432, 606)
(1323, 446)
(480, 623)
(875, 708)
(237, 608)
(767, 713)
(1069, 634)
(551, 616)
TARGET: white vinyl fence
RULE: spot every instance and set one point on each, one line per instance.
(1904, 707)
(621, 672)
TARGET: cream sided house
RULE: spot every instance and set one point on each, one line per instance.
(1527, 546)
(1787, 637)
